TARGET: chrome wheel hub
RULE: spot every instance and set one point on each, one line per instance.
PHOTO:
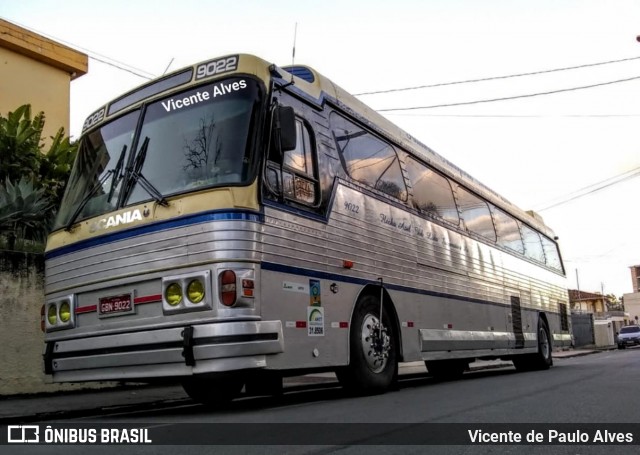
(376, 343)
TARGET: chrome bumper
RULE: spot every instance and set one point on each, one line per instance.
(179, 351)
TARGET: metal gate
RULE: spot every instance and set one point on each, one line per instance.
(582, 327)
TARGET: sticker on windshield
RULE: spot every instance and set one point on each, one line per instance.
(219, 89)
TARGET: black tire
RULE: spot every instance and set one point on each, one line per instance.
(621, 346)
(213, 391)
(370, 370)
(447, 370)
(543, 359)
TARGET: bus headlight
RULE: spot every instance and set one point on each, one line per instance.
(173, 294)
(59, 314)
(52, 314)
(65, 312)
(188, 292)
(195, 291)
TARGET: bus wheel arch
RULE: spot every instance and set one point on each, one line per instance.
(543, 359)
(373, 353)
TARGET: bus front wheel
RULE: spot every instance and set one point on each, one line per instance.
(373, 358)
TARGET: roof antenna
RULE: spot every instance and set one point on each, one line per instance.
(293, 54)
(293, 57)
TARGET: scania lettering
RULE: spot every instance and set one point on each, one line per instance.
(115, 220)
(236, 222)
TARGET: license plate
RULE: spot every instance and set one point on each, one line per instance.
(116, 305)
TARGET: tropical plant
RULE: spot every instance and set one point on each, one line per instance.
(32, 180)
(20, 138)
(21, 211)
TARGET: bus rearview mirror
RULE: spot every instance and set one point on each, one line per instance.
(286, 122)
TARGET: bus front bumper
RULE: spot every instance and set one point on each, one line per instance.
(172, 352)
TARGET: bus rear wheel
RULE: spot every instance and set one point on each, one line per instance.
(373, 358)
(541, 360)
(213, 391)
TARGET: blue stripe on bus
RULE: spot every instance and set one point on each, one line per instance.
(188, 220)
(361, 281)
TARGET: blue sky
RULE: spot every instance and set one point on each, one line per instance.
(531, 150)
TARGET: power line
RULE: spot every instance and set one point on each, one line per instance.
(506, 98)
(595, 187)
(493, 78)
(520, 116)
(121, 68)
(95, 55)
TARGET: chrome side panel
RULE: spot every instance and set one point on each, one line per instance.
(144, 354)
(155, 253)
(452, 292)
(149, 342)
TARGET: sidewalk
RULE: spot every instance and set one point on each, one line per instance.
(30, 408)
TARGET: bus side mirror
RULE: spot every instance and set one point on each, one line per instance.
(286, 123)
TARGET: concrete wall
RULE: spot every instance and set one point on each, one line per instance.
(604, 332)
(21, 341)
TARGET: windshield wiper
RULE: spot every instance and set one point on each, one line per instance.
(86, 199)
(117, 173)
(135, 176)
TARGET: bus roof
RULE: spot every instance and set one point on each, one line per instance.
(317, 88)
(320, 87)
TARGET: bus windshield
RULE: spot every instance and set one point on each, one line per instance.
(188, 141)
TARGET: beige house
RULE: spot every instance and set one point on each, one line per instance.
(36, 70)
(586, 302)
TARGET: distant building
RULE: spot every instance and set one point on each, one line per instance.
(38, 71)
(606, 323)
(632, 300)
(586, 302)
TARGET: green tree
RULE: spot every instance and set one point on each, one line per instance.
(32, 179)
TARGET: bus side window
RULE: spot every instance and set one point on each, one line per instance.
(432, 193)
(532, 244)
(551, 253)
(368, 159)
(508, 231)
(475, 213)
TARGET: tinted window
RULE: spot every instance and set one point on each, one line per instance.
(431, 192)
(368, 159)
(532, 244)
(475, 213)
(300, 158)
(508, 231)
(98, 170)
(630, 329)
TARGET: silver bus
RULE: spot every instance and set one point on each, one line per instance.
(235, 222)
